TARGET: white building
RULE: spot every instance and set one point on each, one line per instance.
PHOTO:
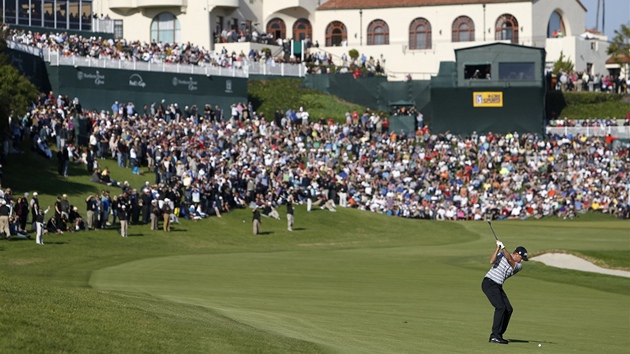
(406, 36)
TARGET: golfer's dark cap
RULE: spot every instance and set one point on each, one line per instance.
(522, 251)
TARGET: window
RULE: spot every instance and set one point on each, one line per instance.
(335, 33)
(86, 16)
(516, 71)
(463, 29)
(507, 28)
(61, 15)
(302, 29)
(555, 27)
(420, 34)
(10, 14)
(74, 17)
(277, 28)
(49, 13)
(165, 28)
(377, 33)
(23, 11)
(477, 71)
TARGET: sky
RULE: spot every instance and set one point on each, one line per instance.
(617, 14)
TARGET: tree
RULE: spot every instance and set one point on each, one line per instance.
(620, 45)
(16, 91)
(353, 53)
(563, 65)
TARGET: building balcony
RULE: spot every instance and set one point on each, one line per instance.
(161, 3)
(122, 4)
(135, 4)
(277, 6)
(225, 3)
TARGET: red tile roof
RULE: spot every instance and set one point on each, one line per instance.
(366, 4)
(621, 59)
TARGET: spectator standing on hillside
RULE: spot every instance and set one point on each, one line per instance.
(91, 206)
(123, 216)
(21, 209)
(39, 226)
(290, 212)
(34, 203)
(5, 210)
(65, 207)
(145, 199)
(155, 214)
(256, 220)
(58, 211)
(167, 210)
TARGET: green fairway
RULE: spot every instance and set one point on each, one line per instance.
(345, 282)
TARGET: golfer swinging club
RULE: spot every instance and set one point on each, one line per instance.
(504, 266)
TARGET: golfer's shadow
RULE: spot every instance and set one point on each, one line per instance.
(262, 233)
(299, 229)
(528, 341)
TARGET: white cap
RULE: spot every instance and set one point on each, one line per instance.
(34, 193)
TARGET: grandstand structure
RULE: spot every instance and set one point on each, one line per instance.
(404, 36)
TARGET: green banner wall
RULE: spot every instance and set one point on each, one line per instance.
(99, 88)
(522, 111)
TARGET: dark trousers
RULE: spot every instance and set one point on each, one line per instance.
(502, 307)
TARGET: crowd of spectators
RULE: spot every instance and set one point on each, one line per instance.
(202, 165)
(584, 81)
(68, 44)
(593, 123)
(75, 45)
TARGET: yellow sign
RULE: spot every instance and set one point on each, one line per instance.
(488, 99)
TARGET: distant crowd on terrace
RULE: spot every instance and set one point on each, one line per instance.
(585, 81)
(183, 53)
(207, 163)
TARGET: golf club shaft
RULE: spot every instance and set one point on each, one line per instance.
(491, 228)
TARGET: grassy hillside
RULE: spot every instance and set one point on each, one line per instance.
(345, 282)
(589, 105)
(270, 95)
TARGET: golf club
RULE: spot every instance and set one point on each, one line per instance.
(491, 228)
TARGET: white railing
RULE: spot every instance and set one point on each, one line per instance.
(240, 69)
(56, 59)
(616, 131)
(278, 69)
(105, 26)
(25, 48)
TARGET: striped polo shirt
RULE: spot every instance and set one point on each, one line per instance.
(501, 270)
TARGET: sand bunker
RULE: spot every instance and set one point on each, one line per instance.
(569, 261)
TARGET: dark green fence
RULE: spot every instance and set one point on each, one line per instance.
(99, 88)
(522, 111)
(31, 66)
(376, 92)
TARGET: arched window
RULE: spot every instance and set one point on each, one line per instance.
(165, 28)
(506, 28)
(277, 28)
(555, 27)
(336, 33)
(420, 34)
(377, 33)
(302, 29)
(463, 29)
